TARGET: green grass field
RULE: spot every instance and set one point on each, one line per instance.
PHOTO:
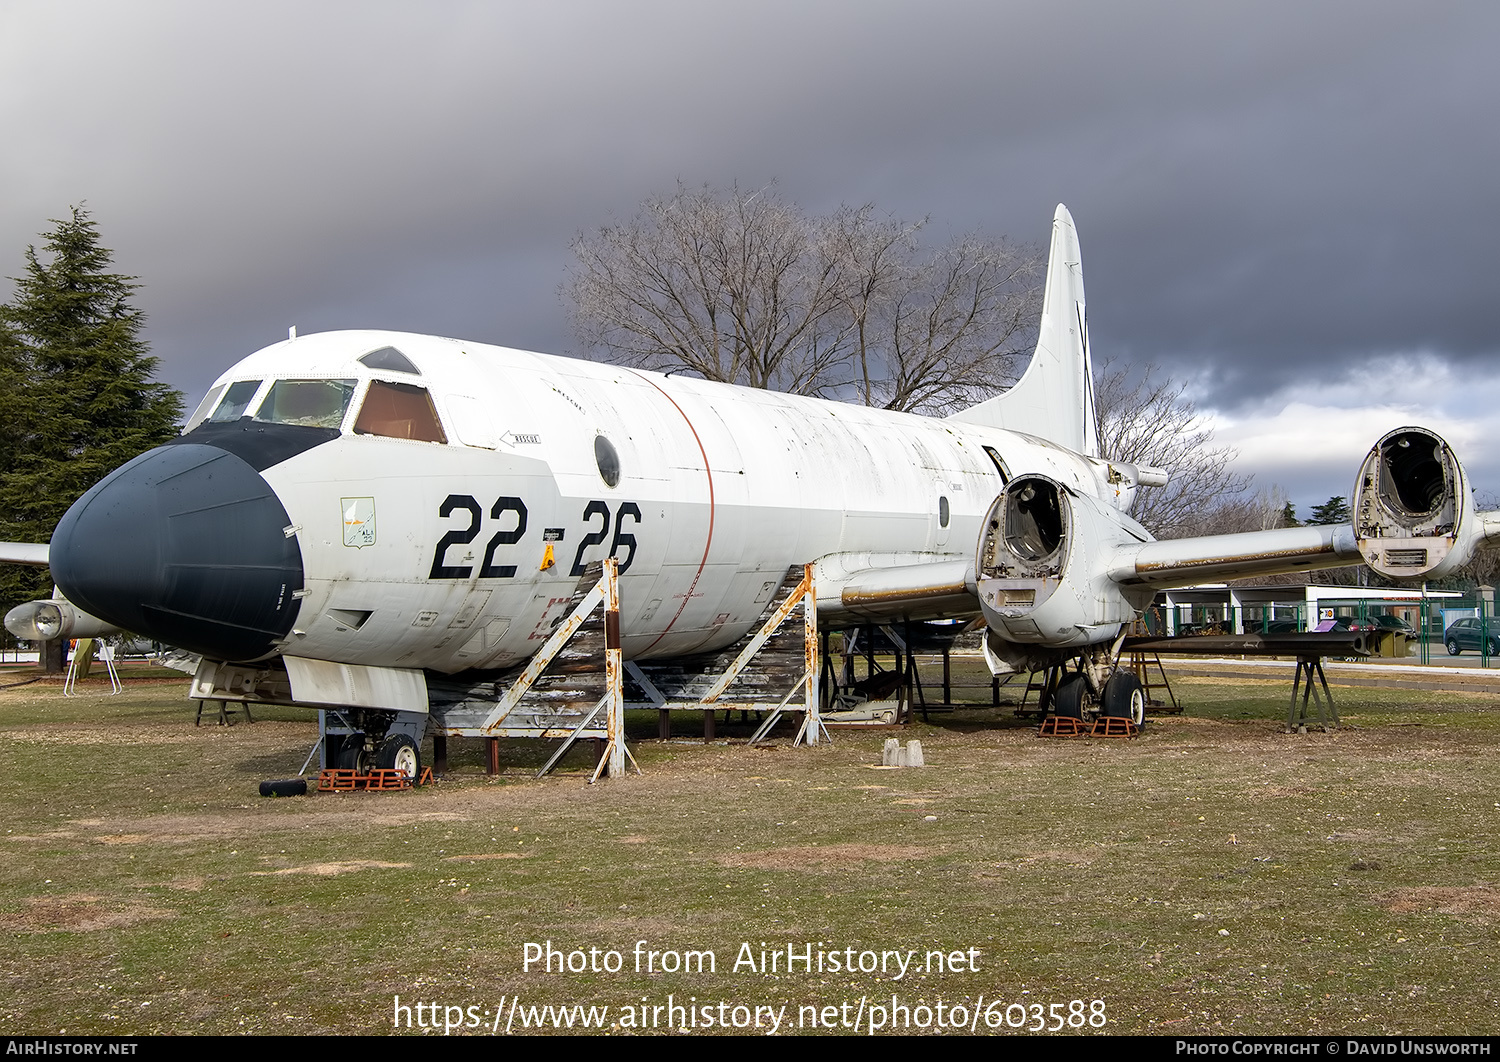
(1213, 876)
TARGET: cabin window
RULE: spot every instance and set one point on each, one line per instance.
(307, 403)
(201, 413)
(943, 512)
(607, 460)
(236, 401)
(399, 411)
(389, 359)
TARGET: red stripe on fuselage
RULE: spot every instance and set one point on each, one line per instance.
(688, 597)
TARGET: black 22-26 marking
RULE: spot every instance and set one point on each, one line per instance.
(504, 509)
(593, 538)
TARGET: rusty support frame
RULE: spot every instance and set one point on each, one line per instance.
(812, 721)
(604, 595)
(615, 753)
(609, 753)
(802, 592)
(812, 730)
(553, 645)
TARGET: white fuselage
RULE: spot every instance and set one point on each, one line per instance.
(721, 489)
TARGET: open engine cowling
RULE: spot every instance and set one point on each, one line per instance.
(1041, 569)
(1411, 509)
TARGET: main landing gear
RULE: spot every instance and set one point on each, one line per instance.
(1098, 698)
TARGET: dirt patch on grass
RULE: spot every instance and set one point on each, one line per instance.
(176, 829)
(413, 818)
(188, 884)
(1066, 858)
(138, 735)
(1481, 900)
(328, 870)
(79, 913)
(479, 856)
(826, 857)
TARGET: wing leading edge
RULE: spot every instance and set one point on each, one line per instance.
(33, 553)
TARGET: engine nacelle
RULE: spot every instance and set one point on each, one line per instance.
(1042, 569)
(1411, 509)
(42, 621)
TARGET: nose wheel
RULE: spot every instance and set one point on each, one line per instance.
(350, 752)
(399, 753)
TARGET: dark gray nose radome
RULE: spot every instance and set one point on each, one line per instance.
(186, 544)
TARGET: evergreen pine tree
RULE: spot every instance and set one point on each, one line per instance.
(77, 398)
(1333, 511)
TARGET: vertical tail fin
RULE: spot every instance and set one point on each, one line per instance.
(1054, 399)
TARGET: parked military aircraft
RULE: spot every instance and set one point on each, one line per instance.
(406, 505)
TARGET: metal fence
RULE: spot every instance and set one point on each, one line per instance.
(1430, 620)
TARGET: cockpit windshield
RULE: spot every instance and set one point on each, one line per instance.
(309, 403)
(236, 401)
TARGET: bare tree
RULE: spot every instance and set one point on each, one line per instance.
(1483, 568)
(1261, 511)
(735, 288)
(956, 324)
(745, 288)
(1148, 420)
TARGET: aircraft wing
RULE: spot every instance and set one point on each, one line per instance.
(1215, 558)
(878, 588)
(24, 553)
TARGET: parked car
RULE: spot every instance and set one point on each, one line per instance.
(1383, 623)
(1465, 634)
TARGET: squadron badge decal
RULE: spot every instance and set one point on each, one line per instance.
(359, 521)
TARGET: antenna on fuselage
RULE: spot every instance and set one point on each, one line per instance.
(291, 333)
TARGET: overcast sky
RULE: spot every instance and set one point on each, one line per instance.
(1292, 206)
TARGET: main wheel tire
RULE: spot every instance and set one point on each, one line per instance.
(1067, 699)
(1124, 699)
(399, 753)
(1453, 649)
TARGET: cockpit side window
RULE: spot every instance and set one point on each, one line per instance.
(310, 403)
(399, 411)
(201, 413)
(390, 359)
(236, 401)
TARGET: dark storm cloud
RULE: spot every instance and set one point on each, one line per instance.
(1266, 194)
